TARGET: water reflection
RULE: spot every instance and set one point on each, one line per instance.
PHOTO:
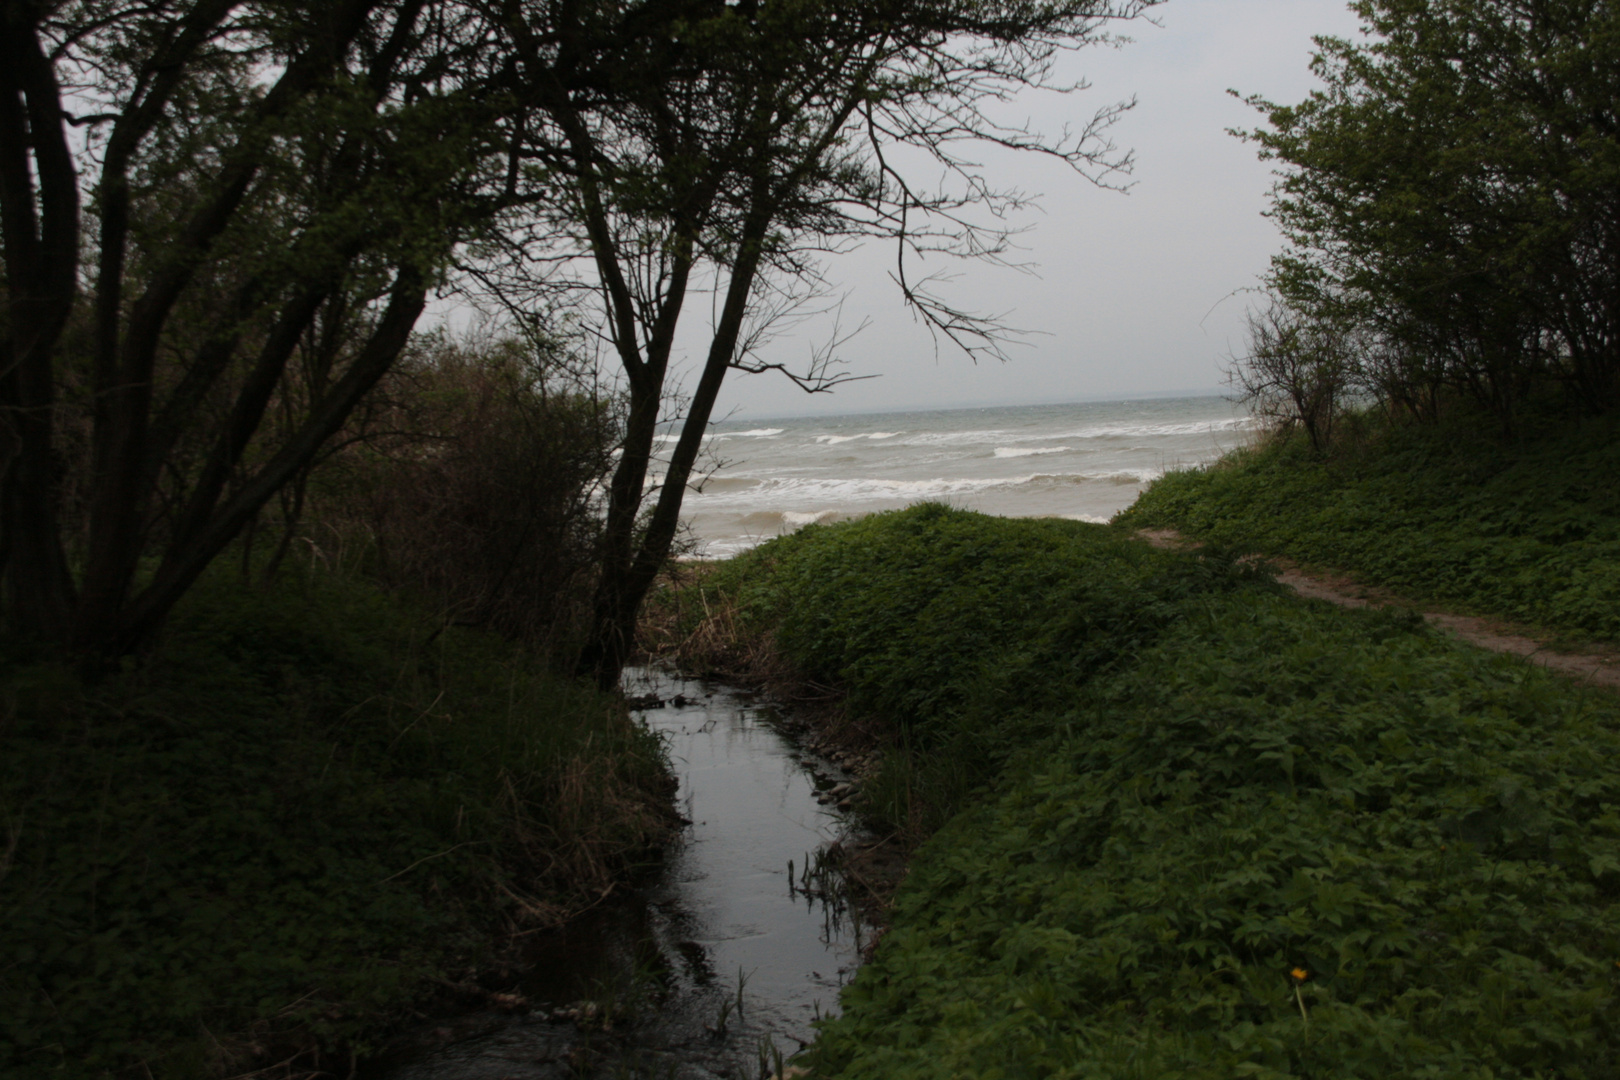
(719, 961)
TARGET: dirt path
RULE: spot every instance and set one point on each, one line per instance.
(1598, 664)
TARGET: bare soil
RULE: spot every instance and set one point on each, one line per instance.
(1592, 663)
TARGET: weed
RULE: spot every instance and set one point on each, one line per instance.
(1181, 788)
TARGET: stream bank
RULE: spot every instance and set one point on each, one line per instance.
(720, 964)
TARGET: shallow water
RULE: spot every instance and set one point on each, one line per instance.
(718, 958)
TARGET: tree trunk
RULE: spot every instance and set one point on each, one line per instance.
(41, 233)
(626, 578)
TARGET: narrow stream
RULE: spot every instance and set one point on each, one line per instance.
(720, 963)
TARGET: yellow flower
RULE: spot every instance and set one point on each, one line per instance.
(1299, 974)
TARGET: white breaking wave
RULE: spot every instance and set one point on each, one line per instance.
(958, 438)
(1126, 431)
(775, 492)
(672, 437)
(1033, 451)
(799, 520)
(834, 440)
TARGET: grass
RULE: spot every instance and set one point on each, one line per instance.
(1179, 785)
(297, 822)
(1527, 530)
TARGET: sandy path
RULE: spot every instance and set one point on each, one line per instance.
(1598, 664)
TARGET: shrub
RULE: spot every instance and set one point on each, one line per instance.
(1430, 834)
(473, 483)
(288, 827)
(1529, 530)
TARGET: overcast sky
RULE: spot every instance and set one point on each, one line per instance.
(1137, 293)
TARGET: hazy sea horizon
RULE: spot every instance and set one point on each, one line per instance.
(1086, 461)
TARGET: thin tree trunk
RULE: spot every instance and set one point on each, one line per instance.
(626, 580)
(182, 566)
(41, 231)
(125, 363)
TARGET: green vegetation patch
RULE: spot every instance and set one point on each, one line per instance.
(1529, 530)
(283, 831)
(1266, 838)
(962, 634)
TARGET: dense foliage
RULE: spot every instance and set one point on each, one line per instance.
(1529, 530)
(1449, 194)
(472, 482)
(1245, 835)
(897, 609)
(220, 223)
(288, 828)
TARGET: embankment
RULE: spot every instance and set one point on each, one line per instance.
(1526, 529)
(1187, 824)
(315, 810)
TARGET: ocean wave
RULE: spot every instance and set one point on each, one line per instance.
(834, 440)
(1005, 438)
(669, 438)
(958, 438)
(730, 483)
(827, 491)
(1032, 451)
(1131, 431)
(1117, 476)
(804, 493)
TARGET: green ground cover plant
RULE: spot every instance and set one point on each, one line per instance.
(897, 610)
(298, 819)
(1241, 835)
(1528, 529)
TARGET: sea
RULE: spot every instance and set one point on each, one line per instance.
(1085, 461)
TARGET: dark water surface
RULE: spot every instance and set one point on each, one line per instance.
(718, 963)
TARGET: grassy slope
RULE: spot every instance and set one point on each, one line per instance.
(287, 828)
(1530, 530)
(1190, 785)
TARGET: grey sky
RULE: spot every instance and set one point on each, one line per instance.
(1136, 293)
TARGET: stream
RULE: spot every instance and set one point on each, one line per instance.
(720, 964)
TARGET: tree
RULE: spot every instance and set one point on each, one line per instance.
(1452, 188)
(679, 144)
(272, 190)
(1297, 370)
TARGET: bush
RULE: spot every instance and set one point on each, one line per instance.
(1529, 530)
(1429, 834)
(288, 827)
(474, 483)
